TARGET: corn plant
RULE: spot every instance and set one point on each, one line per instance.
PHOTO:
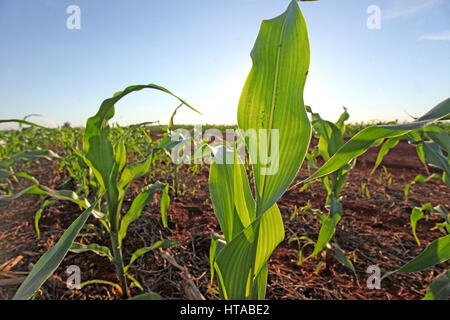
(272, 98)
(107, 160)
(418, 213)
(439, 250)
(331, 138)
(431, 142)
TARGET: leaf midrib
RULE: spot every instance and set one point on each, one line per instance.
(272, 107)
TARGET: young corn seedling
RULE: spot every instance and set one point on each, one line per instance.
(431, 142)
(107, 160)
(439, 289)
(418, 213)
(439, 250)
(331, 138)
(272, 98)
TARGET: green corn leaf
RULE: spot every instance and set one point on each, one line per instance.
(29, 155)
(141, 251)
(34, 189)
(387, 146)
(330, 136)
(435, 157)
(224, 190)
(56, 194)
(329, 224)
(50, 260)
(98, 281)
(342, 258)
(437, 252)
(415, 138)
(120, 152)
(165, 201)
(272, 98)
(93, 247)
(371, 136)
(239, 264)
(134, 282)
(97, 146)
(22, 122)
(441, 211)
(326, 232)
(420, 178)
(261, 283)
(439, 136)
(147, 296)
(341, 121)
(416, 215)
(38, 215)
(439, 289)
(169, 126)
(136, 208)
(217, 244)
(100, 154)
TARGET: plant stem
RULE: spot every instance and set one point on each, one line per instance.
(118, 262)
(175, 179)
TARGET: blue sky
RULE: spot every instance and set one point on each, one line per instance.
(200, 51)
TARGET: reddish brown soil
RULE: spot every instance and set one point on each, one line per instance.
(372, 231)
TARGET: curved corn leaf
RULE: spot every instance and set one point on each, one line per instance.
(330, 134)
(416, 215)
(341, 121)
(50, 260)
(38, 189)
(420, 178)
(435, 157)
(437, 252)
(342, 258)
(272, 98)
(415, 138)
(98, 281)
(136, 208)
(22, 122)
(34, 189)
(29, 155)
(134, 282)
(99, 150)
(329, 224)
(439, 136)
(141, 251)
(38, 215)
(387, 146)
(93, 247)
(370, 136)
